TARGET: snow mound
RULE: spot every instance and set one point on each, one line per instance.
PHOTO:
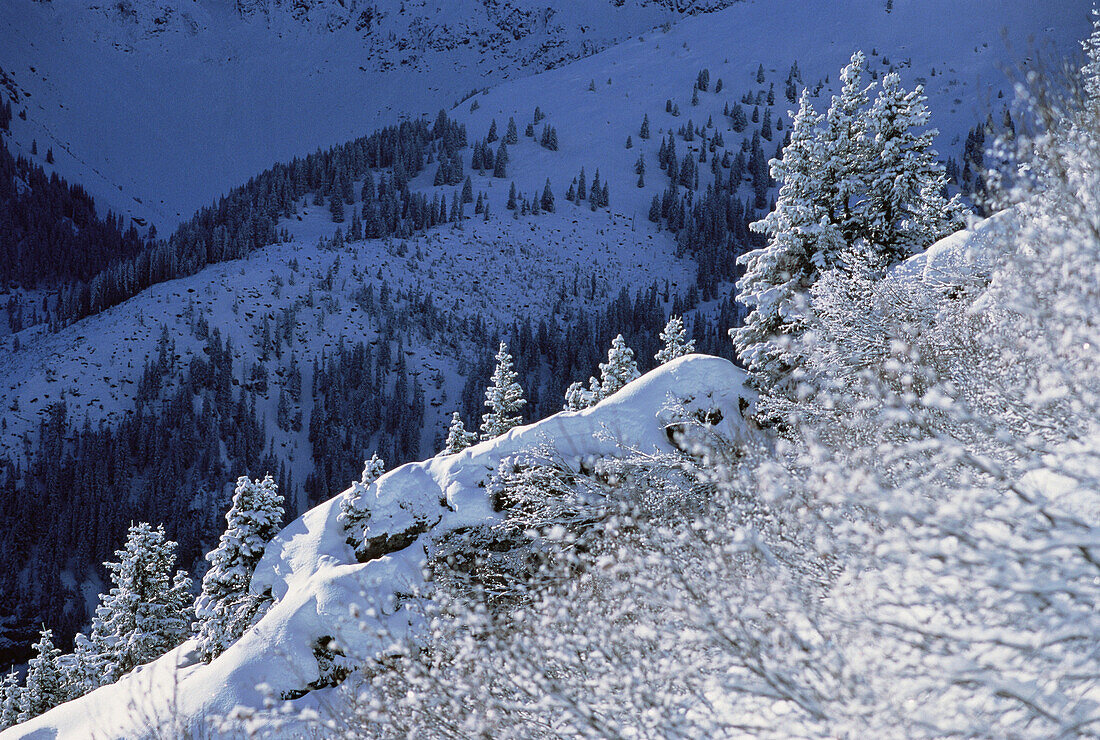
(321, 592)
(969, 255)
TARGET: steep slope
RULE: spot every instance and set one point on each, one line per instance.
(319, 588)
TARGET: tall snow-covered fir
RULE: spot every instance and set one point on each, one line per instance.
(225, 607)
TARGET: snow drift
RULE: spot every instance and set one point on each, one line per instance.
(320, 591)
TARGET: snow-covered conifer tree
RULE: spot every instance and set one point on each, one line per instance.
(904, 209)
(225, 608)
(500, 165)
(676, 342)
(619, 369)
(353, 505)
(10, 698)
(146, 613)
(777, 276)
(458, 438)
(845, 161)
(45, 686)
(504, 398)
(577, 397)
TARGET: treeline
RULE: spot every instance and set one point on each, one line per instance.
(552, 353)
(245, 219)
(49, 231)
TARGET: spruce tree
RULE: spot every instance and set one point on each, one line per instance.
(354, 509)
(676, 343)
(778, 274)
(458, 438)
(619, 369)
(500, 166)
(577, 397)
(11, 694)
(45, 686)
(547, 201)
(511, 136)
(504, 398)
(845, 158)
(904, 210)
(643, 133)
(146, 613)
(225, 608)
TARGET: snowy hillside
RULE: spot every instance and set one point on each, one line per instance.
(320, 590)
(193, 98)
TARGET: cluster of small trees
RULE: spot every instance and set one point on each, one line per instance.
(861, 177)
(505, 400)
(597, 194)
(150, 609)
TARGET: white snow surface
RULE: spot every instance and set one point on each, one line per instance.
(968, 255)
(321, 591)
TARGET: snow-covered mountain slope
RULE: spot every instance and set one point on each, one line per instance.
(965, 256)
(177, 117)
(156, 123)
(513, 265)
(497, 271)
(321, 591)
(191, 98)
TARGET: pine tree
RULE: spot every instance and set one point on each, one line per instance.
(45, 685)
(577, 397)
(777, 275)
(225, 608)
(504, 398)
(619, 369)
(468, 191)
(354, 508)
(146, 613)
(492, 132)
(904, 210)
(511, 136)
(11, 695)
(655, 209)
(500, 166)
(336, 207)
(676, 342)
(643, 133)
(845, 159)
(547, 201)
(458, 438)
